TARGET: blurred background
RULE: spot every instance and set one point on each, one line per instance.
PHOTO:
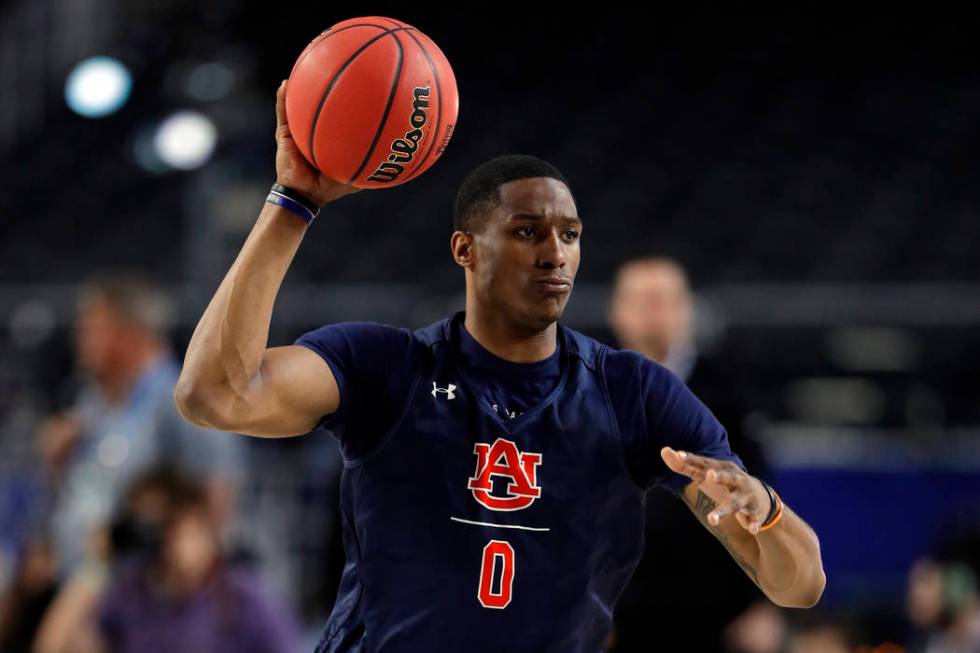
(811, 176)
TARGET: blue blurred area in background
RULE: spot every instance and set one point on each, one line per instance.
(873, 524)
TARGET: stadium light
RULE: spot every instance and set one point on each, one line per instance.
(97, 87)
(185, 140)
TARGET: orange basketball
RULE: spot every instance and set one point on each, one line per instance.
(372, 102)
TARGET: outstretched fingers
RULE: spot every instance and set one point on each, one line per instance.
(689, 464)
(683, 463)
(729, 479)
(731, 506)
(740, 504)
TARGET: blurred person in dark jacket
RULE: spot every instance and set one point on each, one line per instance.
(652, 312)
(168, 585)
(70, 624)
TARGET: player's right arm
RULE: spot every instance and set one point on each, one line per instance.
(231, 379)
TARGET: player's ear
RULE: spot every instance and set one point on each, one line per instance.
(462, 246)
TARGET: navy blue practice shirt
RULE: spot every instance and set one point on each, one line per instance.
(490, 505)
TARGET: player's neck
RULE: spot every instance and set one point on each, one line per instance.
(510, 341)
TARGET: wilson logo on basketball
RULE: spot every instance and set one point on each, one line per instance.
(403, 149)
(503, 460)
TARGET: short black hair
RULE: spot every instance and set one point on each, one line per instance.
(480, 191)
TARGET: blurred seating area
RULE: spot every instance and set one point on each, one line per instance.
(767, 155)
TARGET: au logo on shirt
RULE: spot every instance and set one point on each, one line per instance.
(503, 459)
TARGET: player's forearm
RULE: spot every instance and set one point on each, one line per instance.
(225, 353)
(783, 560)
(789, 562)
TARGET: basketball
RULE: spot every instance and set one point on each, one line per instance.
(372, 102)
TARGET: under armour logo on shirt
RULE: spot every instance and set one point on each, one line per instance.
(446, 391)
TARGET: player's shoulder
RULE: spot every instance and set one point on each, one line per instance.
(377, 329)
(359, 334)
(609, 360)
(628, 368)
(376, 344)
(434, 334)
(363, 348)
(586, 349)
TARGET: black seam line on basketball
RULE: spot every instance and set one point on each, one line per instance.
(391, 100)
(435, 75)
(438, 104)
(324, 34)
(323, 98)
(340, 71)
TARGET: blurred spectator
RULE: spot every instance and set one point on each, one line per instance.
(821, 637)
(943, 607)
(125, 420)
(924, 601)
(24, 603)
(169, 586)
(652, 312)
(760, 629)
(135, 534)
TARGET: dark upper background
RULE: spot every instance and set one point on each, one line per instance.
(810, 147)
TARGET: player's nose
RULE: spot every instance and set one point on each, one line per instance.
(551, 251)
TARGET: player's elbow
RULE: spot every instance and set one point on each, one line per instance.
(805, 596)
(201, 405)
(189, 401)
(817, 582)
(812, 597)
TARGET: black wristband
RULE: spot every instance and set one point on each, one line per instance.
(773, 504)
(297, 197)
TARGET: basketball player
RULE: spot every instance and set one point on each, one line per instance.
(496, 462)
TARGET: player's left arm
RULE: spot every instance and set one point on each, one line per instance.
(783, 560)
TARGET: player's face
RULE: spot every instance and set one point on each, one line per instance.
(527, 254)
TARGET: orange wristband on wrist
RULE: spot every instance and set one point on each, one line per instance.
(776, 517)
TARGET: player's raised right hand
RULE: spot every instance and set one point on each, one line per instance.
(294, 171)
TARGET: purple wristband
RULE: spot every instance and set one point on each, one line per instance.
(291, 205)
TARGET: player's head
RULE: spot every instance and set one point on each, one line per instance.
(517, 227)
(651, 309)
(121, 317)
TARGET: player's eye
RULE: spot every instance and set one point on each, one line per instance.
(571, 234)
(525, 232)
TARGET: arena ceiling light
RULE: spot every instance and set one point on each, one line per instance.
(185, 140)
(97, 87)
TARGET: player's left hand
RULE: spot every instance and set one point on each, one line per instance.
(733, 491)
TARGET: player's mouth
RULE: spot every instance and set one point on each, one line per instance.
(555, 284)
